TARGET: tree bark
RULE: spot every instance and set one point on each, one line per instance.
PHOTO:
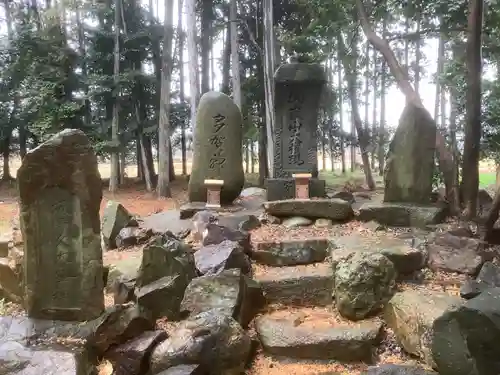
(194, 88)
(235, 58)
(206, 33)
(470, 166)
(182, 98)
(269, 63)
(163, 186)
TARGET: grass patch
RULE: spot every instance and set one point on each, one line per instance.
(487, 179)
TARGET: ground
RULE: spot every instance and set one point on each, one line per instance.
(142, 203)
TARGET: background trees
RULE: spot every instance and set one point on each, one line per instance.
(130, 74)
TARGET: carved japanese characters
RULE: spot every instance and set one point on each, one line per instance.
(60, 193)
(217, 151)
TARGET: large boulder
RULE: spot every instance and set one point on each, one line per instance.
(217, 152)
(410, 162)
(60, 193)
(411, 314)
(401, 214)
(114, 218)
(215, 341)
(465, 340)
(364, 282)
(334, 209)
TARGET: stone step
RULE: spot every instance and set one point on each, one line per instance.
(316, 334)
(290, 252)
(305, 285)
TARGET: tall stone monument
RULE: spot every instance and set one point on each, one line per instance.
(60, 193)
(298, 88)
(217, 153)
(410, 160)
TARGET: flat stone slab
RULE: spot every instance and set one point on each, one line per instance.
(290, 252)
(406, 258)
(305, 285)
(290, 335)
(334, 209)
(401, 214)
(166, 221)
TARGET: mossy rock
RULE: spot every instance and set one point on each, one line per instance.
(217, 152)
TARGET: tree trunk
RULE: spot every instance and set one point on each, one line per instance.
(163, 186)
(374, 137)
(235, 58)
(206, 33)
(194, 90)
(6, 158)
(226, 62)
(470, 166)
(381, 126)
(439, 73)
(115, 168)
(269, 63)
(181, 85)
(444, 155)
(418, 56)
(350, 72)
(252, 158)
(367, 88)
(341, 113)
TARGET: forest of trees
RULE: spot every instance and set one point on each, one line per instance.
(113, 69)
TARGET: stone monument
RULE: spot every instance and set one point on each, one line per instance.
(298, 89)
(60, 193)
(410, 161)
(217, 153)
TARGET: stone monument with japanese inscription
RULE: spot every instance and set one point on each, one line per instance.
(298, 89)
(217, 152)
(60, 192)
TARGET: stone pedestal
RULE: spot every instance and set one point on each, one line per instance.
(284, 188)
(302, 185)
(213, 193)
(298, 88)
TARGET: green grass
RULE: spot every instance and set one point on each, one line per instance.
(486, 179)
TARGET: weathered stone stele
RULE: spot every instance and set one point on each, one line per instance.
(217, 154)
(60, 193)
(298, 91)
(410, 161)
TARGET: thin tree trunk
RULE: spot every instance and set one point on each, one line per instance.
(381, 126)
(235, 58)
(341, 112)
(226, 61)
(418, 56)
(367, 87)
(115, 167)
(181, 84)
(194, 90)
(439, 73)
(269, 63)
(163, 186)
(374, 133)
(206, 34)
(470, 166)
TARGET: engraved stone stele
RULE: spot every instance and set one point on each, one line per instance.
(302, 185)
(213, 193)
(298, 91)
(60, 192)
(217, 152)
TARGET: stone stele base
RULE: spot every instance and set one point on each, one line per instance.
(284, 188)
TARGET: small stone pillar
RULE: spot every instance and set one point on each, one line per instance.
(302, 185)
(213, 193)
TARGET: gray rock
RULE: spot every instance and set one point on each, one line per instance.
(123, 269)
(217, 149)
(189, 209)
(215, 342)
(253, 191)
(297, 285)
(465, 338)
(390, 369)
(215, 234)
(132, 357)
(213, 259)
(184, 370)
(323, 223)
(230, 292)
(163, 297)
(349, 343)
(132, 236)
(165, 256)
(200, 221)
(166, 221)
(296, 221)
(410, 161)
(455, 254)
(334, 209)
(239, 222)
(60, 192)
(115, 217)
(364, 282)
(401, 214)
(405, 257)
(489, 277)
(291, 252)
(345, 196)
(411, 314)
(117, 325)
